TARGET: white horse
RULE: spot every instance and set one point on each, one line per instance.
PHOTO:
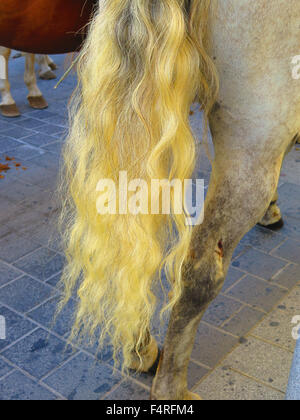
(8, 107)
(254, 124)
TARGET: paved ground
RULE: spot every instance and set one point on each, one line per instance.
(244, 345)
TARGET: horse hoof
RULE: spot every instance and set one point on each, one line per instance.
(274, 226)
(37, 102)
(10, 111)
(190, 396)
(48, 75)
(150, 357)
(53, 66)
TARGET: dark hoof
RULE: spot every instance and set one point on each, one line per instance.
(153, 369)
(275, 226)
(48, 75)
(37, 102)
(53, 66)
(10, 111)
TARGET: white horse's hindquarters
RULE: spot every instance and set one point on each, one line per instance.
(253, 44)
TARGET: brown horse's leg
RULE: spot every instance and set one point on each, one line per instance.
(35, 97)
(8, 107)
(240, 191)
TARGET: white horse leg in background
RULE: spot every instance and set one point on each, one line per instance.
(46, 67)
(35, 96)
(8, 107)
(45, 63)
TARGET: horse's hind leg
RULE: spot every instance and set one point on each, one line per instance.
(273, 219)
(35, 97)
(8, 107)
(242, 186)
(145, 359)
(51, 64)
(45, 70)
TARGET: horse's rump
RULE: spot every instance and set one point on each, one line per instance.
(44, 26)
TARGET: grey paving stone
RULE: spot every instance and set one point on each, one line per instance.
(37, 175)
(54, 147)
(54, 281)
(259, 264)
(45, 314)
(15, 246)
(38, 353)
(58, 120)
(290, 250)
(51, 130)
(240, 250)
(288, 277)
(129, 391)
(24, 294)
(17, 387)
(233, 276)
(45, 234)
(47, 161)
(82, 378)
(26, 152)
(4, 231)
(5, 125)
(20, 191)
(41, 201)
(262, 239)
(5, 368)
(289, 200)
(220, 310)
(211, 345)
(225, 384)
(17, 133)
(26, 222)
(291, 227)
(42, 263)
(257, 293)
(29, 123)
(291, 168)
(16, 327)
(11, 212)
(8, 273)
(7, 144)
(243, 321)
(277, 326)
(262, 361)
(42, 114)
(40, 139)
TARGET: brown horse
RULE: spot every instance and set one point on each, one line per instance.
(44, 26)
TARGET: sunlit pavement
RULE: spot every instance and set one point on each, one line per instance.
(244, 346)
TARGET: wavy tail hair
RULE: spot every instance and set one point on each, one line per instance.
(141, 67)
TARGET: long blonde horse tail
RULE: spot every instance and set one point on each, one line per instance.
(141, 67)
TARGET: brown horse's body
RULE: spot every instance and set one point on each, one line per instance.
(44, 26)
